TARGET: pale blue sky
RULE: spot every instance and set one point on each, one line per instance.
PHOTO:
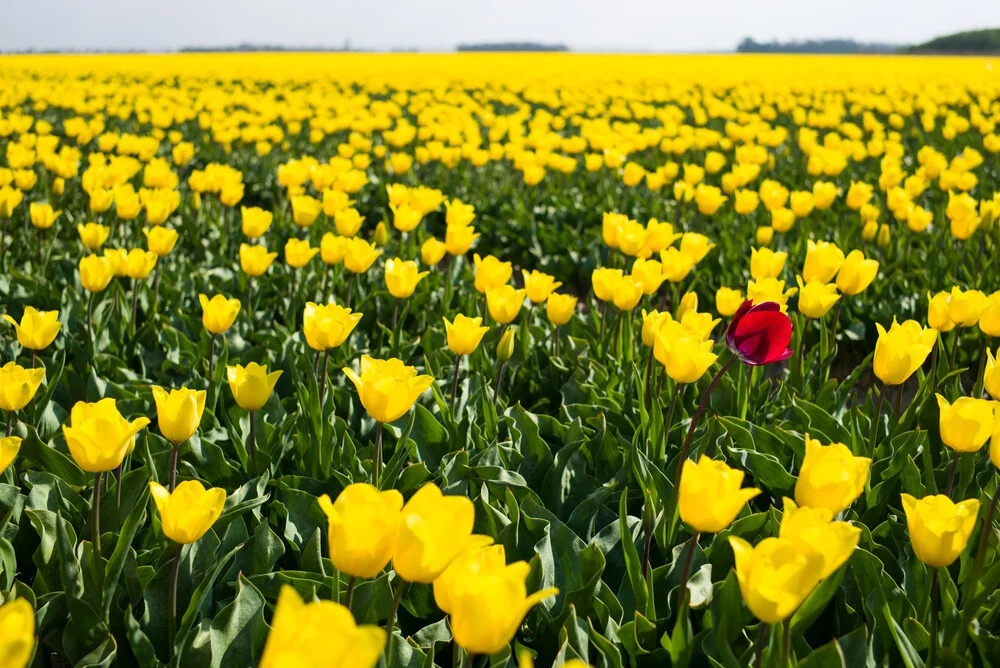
(640, 25)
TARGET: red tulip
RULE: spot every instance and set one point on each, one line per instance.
(759, 334)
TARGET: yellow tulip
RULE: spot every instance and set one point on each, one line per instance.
(989, 316)
(902, 350)
(728, 301)
(504, 303)
(251, 385)
(93, 235)
(332, 248)
(254, 260)
(487, 606)
(824, 194)
(830, 476)
(651, 324)
(676, 265)
(381, 236)
(696, 246)
(101, 200)
(433, 251)
(138, 263)
(334, 201)
(468, 564)
(459, 213)
(387, 388)
(604, 281)
(939, 528)
(37, 329)
(405, 218)
(782, 219)
(775, 577)
(965, 425)
(490, 273)
(812, 529)
(43, 216)
(187, 513)
(348, 222)
(964, 307)
(649, 274)
(18, 385)
(10, 198)
(178, 412)
(434, 530)
(298, 252)
(160, 240)
(9, 447)
(699, 325)
(464, 334)
(628, 293)
(560, 308)
(764, 235)
(363, 525)
(765, 263)
(255, 221)
(938, 313)
(710, 494)
(823, 261)
(816, 298)
(856, 273)
(99, 437)
(360, 255)
(218, 313)
(505, 348)
(769, 290)
(327, 326)
(17, 642)
(539, 285)
(458, 239)
(401, 277)
(321, 634)
(991, 375)
(305, 210)
(685, 358)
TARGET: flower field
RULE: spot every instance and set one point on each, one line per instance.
(499, 360)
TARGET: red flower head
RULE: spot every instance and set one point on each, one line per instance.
(760, 334)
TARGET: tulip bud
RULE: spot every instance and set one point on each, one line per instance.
(505, 349)
(381, 234)
(869, 231)
(883, 235)
(765, 234)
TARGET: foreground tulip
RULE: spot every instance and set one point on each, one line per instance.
(775, 577)
(939, 528)
(99, 437)
(464, 334)
(759, 334)
(458, 239)
(711, 495)
(991, 376)
(856, 273)
(823, 261)
(360, 255)
(17, 387)
(187, 513)
(816, 298)
(251, 387)
(255, 221)
(93, 235)
(467, 564)
(812, 530)
(487, 606)
(685, 358)
(17, 642)
(967, 424)
(387, 389)
(254, 260)
(938, 313)
(327, 326)
(901, 350)
(765, 263)
(434, 530)
(218, 313)
(178, 413)
(321, 634)
(830, 476)
(604, 281)
(363, 525)
(539, 285)
(9, 447)
(504, 303)
(628, 293)
(37, 329)
(490, 273)
(401, 278)
(42, 216)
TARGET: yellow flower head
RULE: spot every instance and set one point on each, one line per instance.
(401, 277)
(99, 436)
(812, 530)
(187, 513)
(939, 528)
(816, 298)
(775, 577)
(256, 221)
(218, 313)
(711, 495)
(327, 326)
(823, 261)
(17, 641)
(93, 235)
(504, 303)
(387, 388)
(298, 252)
(765, 263)
(360, 255)
(178, 412)
(251, 385)
(464, 334)
(967, 424)
(363, 525)
(433, 251)
(901, 350)
(37, 329)
(490, 272)
(18, 385)
(539, 285)
(856, 273)
(254, 260)
(830, 477)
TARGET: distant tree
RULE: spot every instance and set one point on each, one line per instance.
(749, 45)
(972, 41)
(512, 46)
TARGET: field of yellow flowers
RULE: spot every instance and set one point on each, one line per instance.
(499, 360)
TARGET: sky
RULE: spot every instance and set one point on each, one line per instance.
(439, 25)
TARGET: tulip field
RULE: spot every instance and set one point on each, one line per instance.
(496, 360)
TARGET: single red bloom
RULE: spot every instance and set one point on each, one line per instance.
(759, 334)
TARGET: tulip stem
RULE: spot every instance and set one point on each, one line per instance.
(95, 523)
(377, 457)
(761, 640)
(954, 351)
(875, 421)
(897, 412)
(682, 595)
(119, 472)
(454, 384)
(350, 290)
(669, 422)
(173, 466)
(135, 302)
(33, 353)
(156, 287)
(395, 313)
(786, 643)
(211, 360)
(322, 382)
(172, 602)
(648, 378)
(253, 445)
(951, 474)
(349, 597)
(496, 390)
(326, 282)
(932, 652)
(10, 422)
(694, 425)
(391, 622)
(977, 387)
(90, 317)
(555, 343)
(600, 334)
